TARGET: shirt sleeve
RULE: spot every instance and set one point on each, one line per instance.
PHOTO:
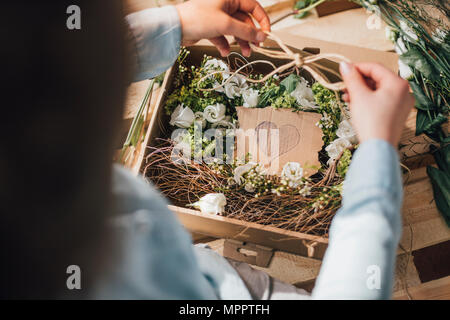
(360, 259)
(156, 36)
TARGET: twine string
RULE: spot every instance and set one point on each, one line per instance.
(296, 60)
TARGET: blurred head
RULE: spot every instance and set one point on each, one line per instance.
(62, 102)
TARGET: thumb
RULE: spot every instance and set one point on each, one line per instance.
(353, 79)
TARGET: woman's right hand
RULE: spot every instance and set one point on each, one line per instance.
(380, 101)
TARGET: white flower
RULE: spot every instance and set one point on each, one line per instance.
(405, 71)
(216, 64)
(214, 113)
(182, 117)
(213, 65)
(249, 188)
(212, 203)
(325, 121)
(400, 46)
(241, 170)
(439, 35)
(235, 86)
(251, 97)
(408, 31)
(225, 123)
(180, 135)
(391, 34)
(345, 130)
(200, 118)
(336, 148)
(293, 173)
(303, 94)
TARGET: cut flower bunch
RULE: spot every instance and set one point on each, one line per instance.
(420, 31)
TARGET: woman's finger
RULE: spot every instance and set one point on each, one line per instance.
(244, 17)
(221, 44)
(231, 26)
(256, 10)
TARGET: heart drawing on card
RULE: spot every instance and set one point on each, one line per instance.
(289, 138)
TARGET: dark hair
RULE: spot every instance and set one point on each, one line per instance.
(62, 103)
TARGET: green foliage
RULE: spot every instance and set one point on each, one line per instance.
(344, 163)
(440, 181)
(416, 60)
(290, 82)
(328, 105)
(429, 57)
(302, 7)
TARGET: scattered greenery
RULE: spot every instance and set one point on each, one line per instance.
(422, 39)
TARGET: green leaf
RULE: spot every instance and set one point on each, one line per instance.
(442, 157)
(290, 83)
(425, 123)
(265, 97)
(415, 59)
(422, 101)
(301, 4)
(441, 191)
(422, 120)
(137, 132)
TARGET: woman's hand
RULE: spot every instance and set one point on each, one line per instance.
(380, 101)
(212, 19)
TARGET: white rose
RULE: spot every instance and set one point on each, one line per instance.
(251, 97)
(212, 203)
(225, 123)
(182, 117)
(216, 64)
(200, 118)
(391, 34)
(336, 148)
(400, 46)
(303, 94)
(241, 170)
(405, 71)
(235, 86)
(293, 173)
(179, 135)
(408, 30)
(346, 131)
(439, 35)
(214, 113)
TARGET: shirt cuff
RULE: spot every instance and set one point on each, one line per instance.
(157, 39)
(375, 169)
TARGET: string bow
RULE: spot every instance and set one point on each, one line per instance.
(296, 60)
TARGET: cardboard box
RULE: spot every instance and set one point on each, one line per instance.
(224, 227)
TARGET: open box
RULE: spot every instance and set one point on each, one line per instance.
(261, 237)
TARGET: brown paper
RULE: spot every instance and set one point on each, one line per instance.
(274, 137)
(354, 53)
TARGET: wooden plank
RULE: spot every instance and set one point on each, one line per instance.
(433, 290)
(423, 224)
(343, 28)
(229, 228)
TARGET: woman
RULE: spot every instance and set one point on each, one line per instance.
(58, 132)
